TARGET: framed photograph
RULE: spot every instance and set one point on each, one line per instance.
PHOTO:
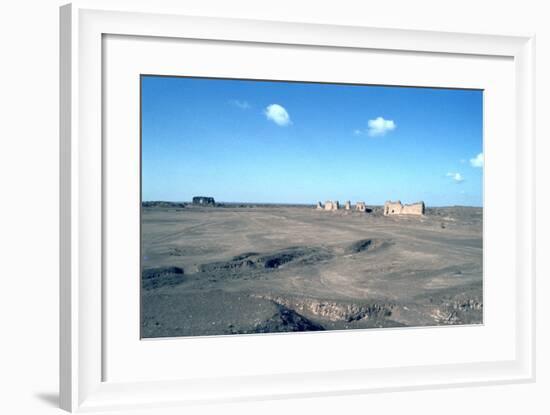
(259, 209)
(261, 256)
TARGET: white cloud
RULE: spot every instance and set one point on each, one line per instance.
(278, 114)
(379, 126)
(244, 105)
(477, 161)
(457, 177)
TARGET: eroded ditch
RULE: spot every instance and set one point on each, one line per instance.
(333, 310)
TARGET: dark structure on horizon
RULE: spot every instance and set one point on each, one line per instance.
(204, 201)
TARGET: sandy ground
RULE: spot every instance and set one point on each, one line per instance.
(234, 270)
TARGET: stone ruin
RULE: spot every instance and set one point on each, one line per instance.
(390, 208)
(335, 205)
(330, 205)
(397, 208)
(204, 201)
(360, 207)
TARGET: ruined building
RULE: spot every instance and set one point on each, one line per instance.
(319, 206)
(360, 207)
(397, 208)
(204, 201)
(330, 205)
(347, 206)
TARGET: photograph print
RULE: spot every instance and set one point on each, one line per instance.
(285, 206)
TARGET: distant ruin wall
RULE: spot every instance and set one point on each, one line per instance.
(330, 205)
(414, 209)
(397, 208)
(204, 201)
(360, 207)
(392, 208)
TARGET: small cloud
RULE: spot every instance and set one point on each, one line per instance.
(278, 114)
(244, 105)
(477, 161)
(379, 127)
(457, 177)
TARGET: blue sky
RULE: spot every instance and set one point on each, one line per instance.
(287, 142)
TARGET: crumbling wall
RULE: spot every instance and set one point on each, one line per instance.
(397, 208)
(414, 209)
(319, 206)
(393, 208)
(330, 205)
(347, 206)
(360, 207)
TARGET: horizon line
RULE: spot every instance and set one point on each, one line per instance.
(301, 203)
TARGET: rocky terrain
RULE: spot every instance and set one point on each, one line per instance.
(238, 269)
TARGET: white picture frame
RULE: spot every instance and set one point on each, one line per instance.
(84, 26)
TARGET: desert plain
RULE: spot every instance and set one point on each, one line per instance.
(243, 269)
